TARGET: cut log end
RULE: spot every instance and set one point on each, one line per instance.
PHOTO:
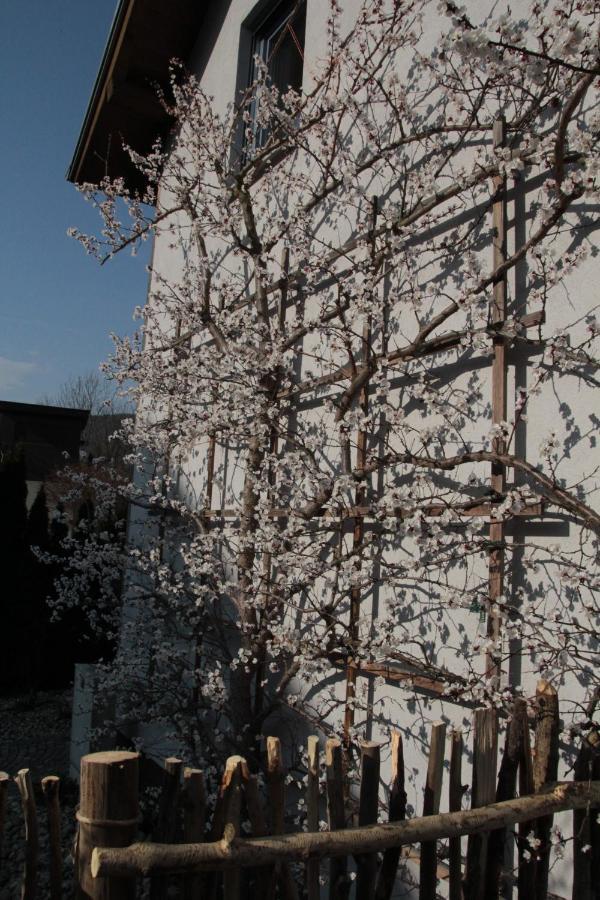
(544, 688)
(273, 753)
(233, 765)
(331, 747)
(50, 786)
(95, 863)
(109, 757)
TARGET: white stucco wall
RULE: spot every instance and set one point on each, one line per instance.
(562, 403)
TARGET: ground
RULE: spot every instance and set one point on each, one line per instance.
(35, 733)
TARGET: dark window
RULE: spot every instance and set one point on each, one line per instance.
(278, 40)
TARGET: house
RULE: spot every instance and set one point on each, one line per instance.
(379, 418)
(45, 433)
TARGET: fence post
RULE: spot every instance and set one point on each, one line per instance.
(166, 827)
(169, 800)
(275, 785)
(583, 820)
(194, 822)
(276, 795)
(339, 884)
(545, 769)
(483, 792)
(431, 807)
(28, 887)
(4, 780)
(497, 875)
(214, 878)
(455, 793)
(397, 813)
(258, 822)
(526, 873)
(50, 788)
(108, 817)
(595, 820)
(233, 783)
(367, 815)
(312, 814)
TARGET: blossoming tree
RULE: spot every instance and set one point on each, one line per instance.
(365, 440)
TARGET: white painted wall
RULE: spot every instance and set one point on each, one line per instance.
(216, 60)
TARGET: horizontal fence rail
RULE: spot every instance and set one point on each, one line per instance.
(229, 852)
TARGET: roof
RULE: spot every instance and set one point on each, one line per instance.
(144, 37)
(43, 432)
(10, 407)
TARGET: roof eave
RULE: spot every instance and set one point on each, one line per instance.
(124, 107)
(114, 42)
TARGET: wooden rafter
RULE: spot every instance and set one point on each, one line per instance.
(499, 372)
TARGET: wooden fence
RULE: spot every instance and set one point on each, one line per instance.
(194, 855)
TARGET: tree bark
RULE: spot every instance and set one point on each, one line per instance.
(107, 816)
(145, 858)
(545, 769)
(50, 788)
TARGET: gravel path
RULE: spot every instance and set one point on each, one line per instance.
(35, 734)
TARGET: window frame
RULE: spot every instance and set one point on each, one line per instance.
(260, 33)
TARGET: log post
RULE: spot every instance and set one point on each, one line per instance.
(312, 817)
(526, 872)
(397, 813)
(583, 822)
(595, 822)
(339, 885)
(214, 878)
(431, 807)
(108, 817)
(259, 827)
(169, 801)
(4, 781)
(545, 769)
(254, 806)
(506, 790)
(233, 784)
(455, 793)
(166, 827)
(194, 805)
(50, 788)
(276, 794)
(194, 822)
(275, 785)
(367, 815)
(28, 885)
(483, 792)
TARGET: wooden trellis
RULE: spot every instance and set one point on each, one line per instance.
(362, 510)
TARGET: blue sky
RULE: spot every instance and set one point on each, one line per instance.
(57, 305)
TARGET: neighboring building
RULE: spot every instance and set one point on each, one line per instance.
(47, 435)
(219, 42)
